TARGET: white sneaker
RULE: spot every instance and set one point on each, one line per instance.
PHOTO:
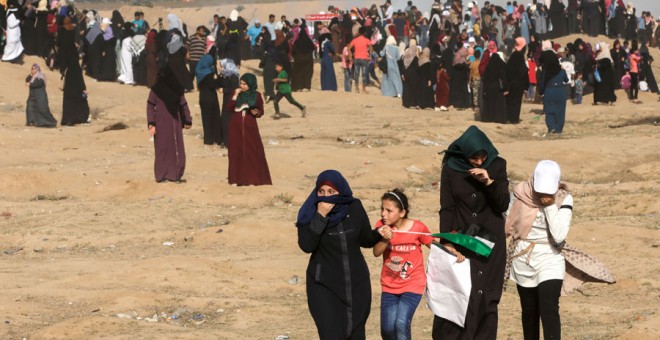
(437, 109)
(442, 108)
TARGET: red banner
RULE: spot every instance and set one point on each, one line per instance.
(320, 17)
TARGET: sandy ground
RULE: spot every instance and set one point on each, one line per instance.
(83, 225)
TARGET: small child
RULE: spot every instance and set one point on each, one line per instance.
(403, 278)
(347, 66)
(625, 83)
(531, 91)
(579, 88)
(284, 91)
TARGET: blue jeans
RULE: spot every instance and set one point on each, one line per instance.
(578, 98)
(396, 313)
(531, 92)
(360, 66)
(348, 79)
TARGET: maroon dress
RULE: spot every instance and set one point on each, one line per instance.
(247, 160)
(442, 90)
(170, 161)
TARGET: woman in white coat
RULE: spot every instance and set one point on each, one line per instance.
(539, 219)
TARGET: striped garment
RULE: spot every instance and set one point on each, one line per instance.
(197, 47)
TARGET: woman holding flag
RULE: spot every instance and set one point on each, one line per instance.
(473, 195)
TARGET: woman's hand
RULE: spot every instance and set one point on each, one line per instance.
(323, 208)
(152, 130)
(386, 232)
(459, 257)
(255, 112)
(237, 92)
(481, 175)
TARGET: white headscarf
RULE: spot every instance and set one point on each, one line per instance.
(233, 15)
(174, 22)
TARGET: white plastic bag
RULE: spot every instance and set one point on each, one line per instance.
(448, 285)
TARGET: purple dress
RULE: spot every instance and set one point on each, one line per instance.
(170, 161)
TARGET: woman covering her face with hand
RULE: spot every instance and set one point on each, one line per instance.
(474, 192)
(539, 220)
(332, 227)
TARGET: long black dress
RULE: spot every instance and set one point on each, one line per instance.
(108, 60)
(208, 103)
(337, 276)
(459, 97)
(558, 19)
(426, 96)
(37, 112)
(29, 32)
(617, 62)
(303, 62)
(495, 84)
(75, 109)
(177, 62)
(518, 80)
(463, 201)
(43, 39)
(94, 56)
(228, 85)
(604, 90)
(410, 84)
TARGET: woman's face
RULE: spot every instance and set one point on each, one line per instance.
(390, 213)
(477, 161)
(33, 71)
(326, 190)
(244, 86)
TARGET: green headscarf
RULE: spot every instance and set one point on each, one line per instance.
(248, 97)
(467, 145)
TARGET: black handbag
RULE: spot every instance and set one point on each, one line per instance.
(382, 64)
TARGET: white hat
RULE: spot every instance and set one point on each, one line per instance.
(546, 177)
(472, 40)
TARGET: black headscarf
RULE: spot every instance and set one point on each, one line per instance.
(470, 143)
(304, 43)
(169, 90)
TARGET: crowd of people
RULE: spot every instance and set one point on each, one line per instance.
(457, 56)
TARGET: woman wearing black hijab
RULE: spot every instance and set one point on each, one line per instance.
(495, 87)
(303, 61)
(518, 80)
(474, 194)
(167, 115)
(333, 227)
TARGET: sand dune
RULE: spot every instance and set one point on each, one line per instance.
(85, 223)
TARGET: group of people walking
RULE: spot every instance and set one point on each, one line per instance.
(474, 200)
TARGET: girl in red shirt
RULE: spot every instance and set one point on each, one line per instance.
(403, 277)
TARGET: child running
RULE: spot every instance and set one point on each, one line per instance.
(403, 277)
(284, 90)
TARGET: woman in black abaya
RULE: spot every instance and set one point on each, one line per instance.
(558, 19)
(518, 80)
(459, 97)
(409, 74)
(303, 61)
(427, 79)
(108, 71)
(604, 89)
(495, 87)
(177, 60)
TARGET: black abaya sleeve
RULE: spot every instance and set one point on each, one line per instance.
(309, 235)
(368, 237)
(497, 194)
(448, 212)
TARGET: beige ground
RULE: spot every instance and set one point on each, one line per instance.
(91, 222)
